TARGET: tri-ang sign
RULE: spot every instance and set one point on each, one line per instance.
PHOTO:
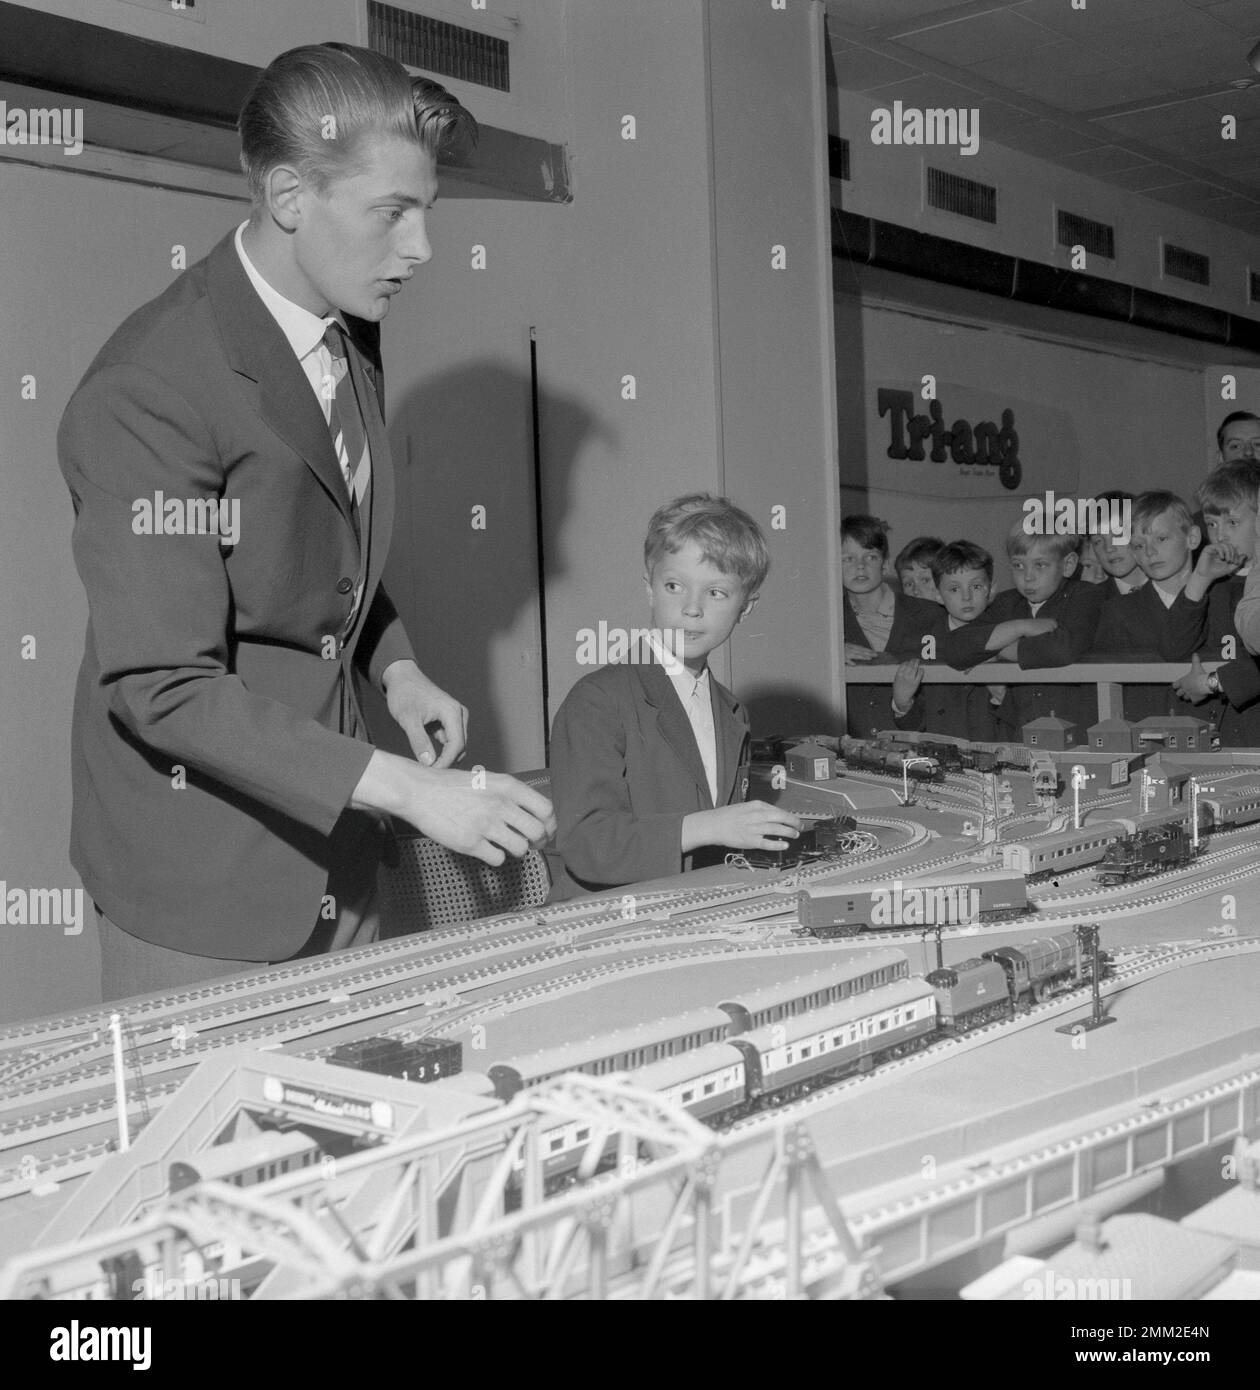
(961, 443)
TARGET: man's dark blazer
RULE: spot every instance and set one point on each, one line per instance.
(868, 708)
(626, 769)
(217, 659)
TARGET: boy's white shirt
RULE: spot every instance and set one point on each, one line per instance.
(1169, 596)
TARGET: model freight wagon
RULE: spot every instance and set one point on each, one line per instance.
(829, 910)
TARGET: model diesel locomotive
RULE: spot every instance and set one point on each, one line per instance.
(845, 909)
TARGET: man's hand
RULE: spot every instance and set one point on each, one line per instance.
(855, 651)
(746, 825)
(485, 814)
(416, 702)
(1193, 686)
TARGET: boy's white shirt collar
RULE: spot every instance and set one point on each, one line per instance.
(1169, 596)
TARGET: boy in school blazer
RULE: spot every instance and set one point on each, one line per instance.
(648, 760)
(227, 806)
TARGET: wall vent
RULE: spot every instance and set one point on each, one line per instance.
(1097, 238)
(963, 197)
(467, 55)
(1187, 265)
(838, 157)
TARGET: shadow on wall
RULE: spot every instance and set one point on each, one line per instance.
(463, 567)
(786, 709)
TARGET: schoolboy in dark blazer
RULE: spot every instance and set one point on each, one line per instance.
(1157, 622)
(881, 625)
(963, 576)
(1044, 567)
(1228, 498)
(647, 759)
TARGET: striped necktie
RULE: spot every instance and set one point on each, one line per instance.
(345, 421)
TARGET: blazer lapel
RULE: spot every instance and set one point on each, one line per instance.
(259, 351)
(672, 721)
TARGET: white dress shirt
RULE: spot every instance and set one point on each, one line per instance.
(305, 332)
(697, 699)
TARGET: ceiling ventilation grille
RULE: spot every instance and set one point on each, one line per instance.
(420, 42)
(838, 157)
(1097, 238)
(964, 197)
(1187, 265)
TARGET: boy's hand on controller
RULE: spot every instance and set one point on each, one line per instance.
(753, 825)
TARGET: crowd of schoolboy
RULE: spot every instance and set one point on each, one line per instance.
(648, 761)
(1163, 589)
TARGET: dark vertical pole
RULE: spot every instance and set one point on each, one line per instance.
(539, 547)
(1093, 942)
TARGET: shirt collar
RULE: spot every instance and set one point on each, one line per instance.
(686, 684)
(304, 330)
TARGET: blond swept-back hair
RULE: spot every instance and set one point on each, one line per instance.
(313, 106)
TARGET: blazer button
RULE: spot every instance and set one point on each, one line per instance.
(345, 585)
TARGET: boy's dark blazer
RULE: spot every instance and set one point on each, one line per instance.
(964, 711)
(626, 769)
(1139, 623)
(868, 708)
(210, 658)
(1076, 607)
(1236, 712)
(1136, 626)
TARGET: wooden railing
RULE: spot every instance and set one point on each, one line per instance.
(1110, 677)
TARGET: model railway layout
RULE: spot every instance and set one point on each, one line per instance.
(407, 1008)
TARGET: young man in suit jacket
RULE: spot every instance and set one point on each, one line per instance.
(647, 759)
(233, 496)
